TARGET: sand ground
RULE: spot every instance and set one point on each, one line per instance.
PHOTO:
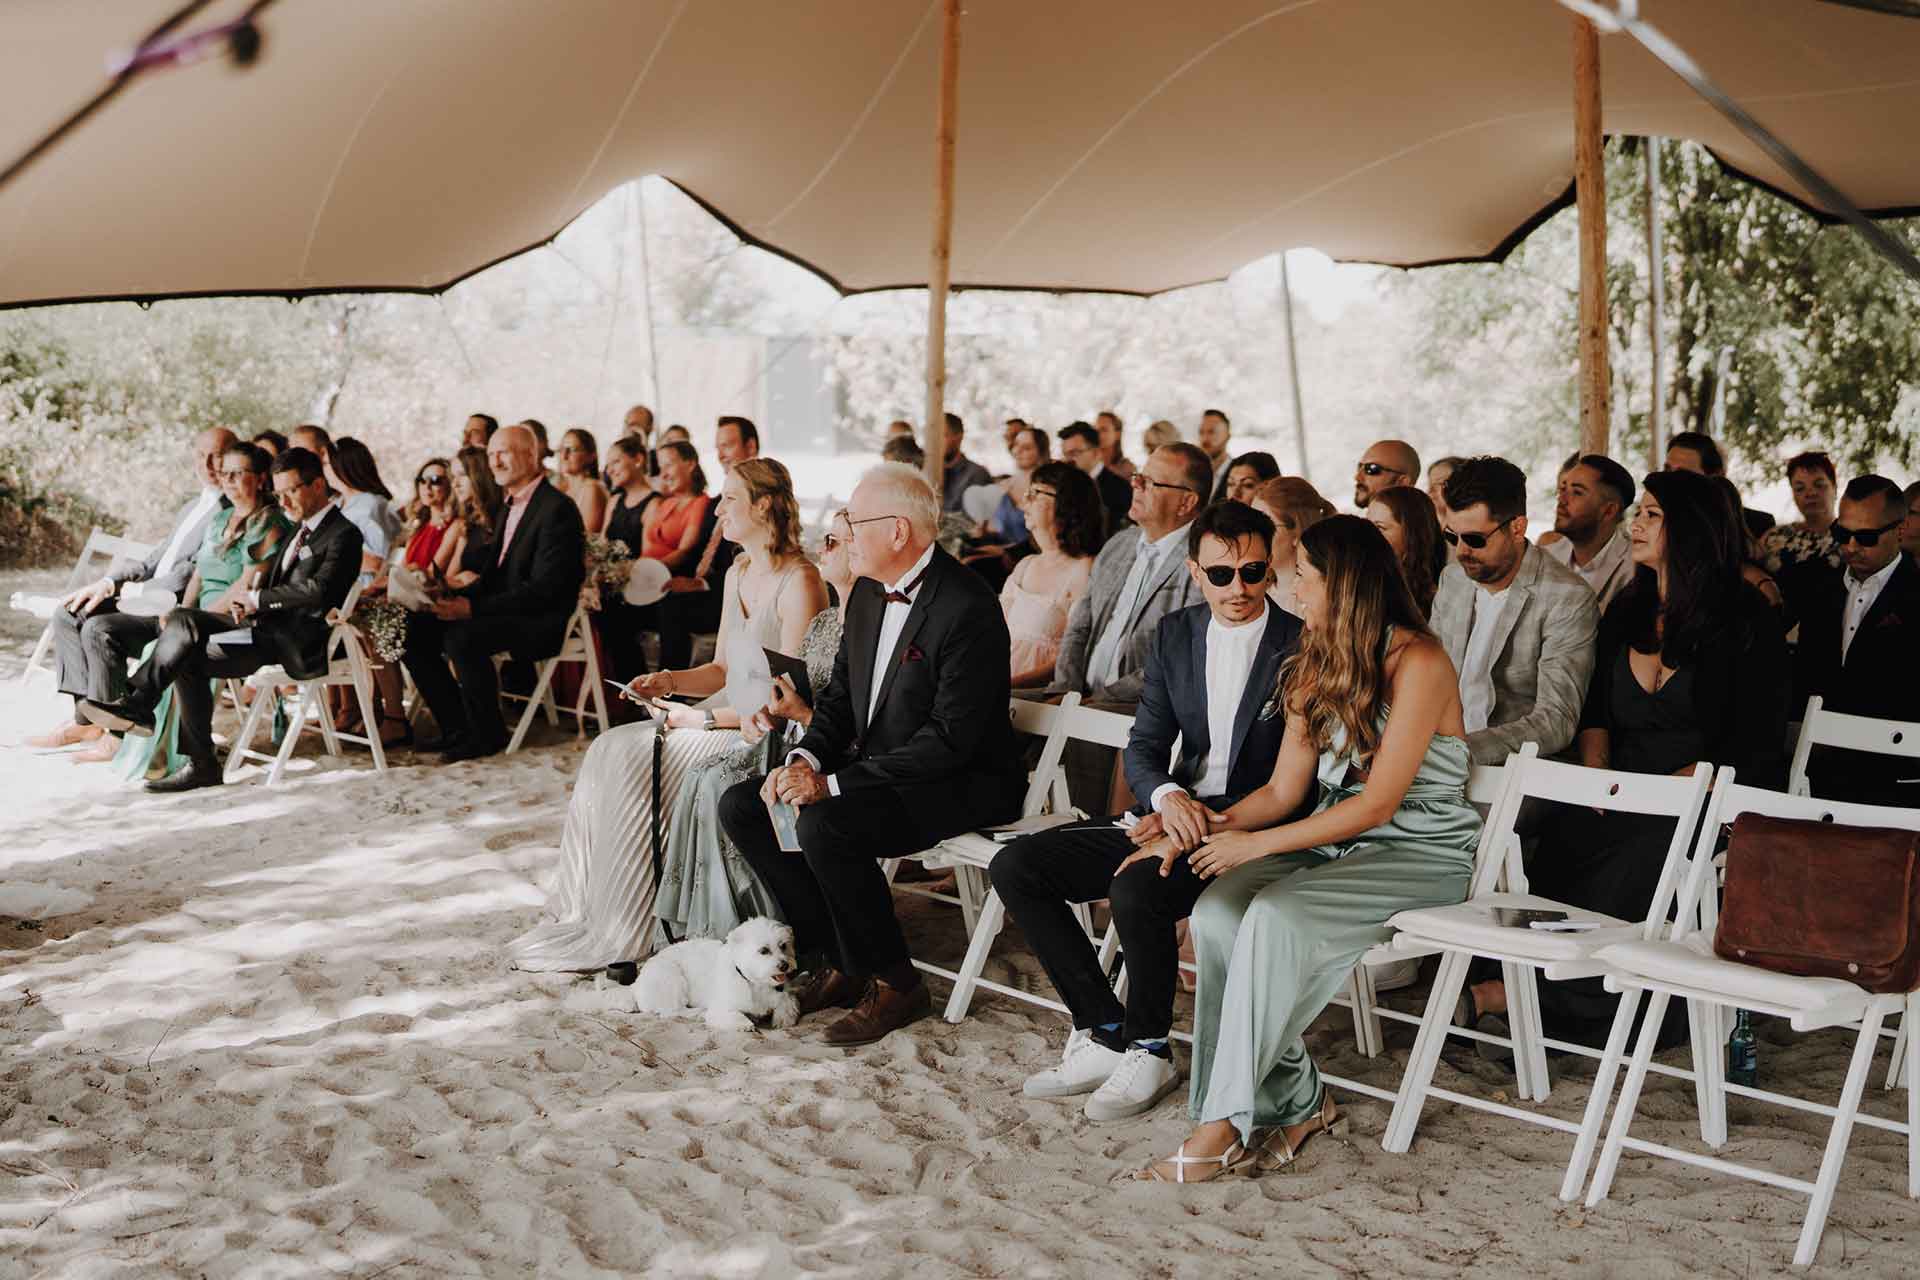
(281, 1041)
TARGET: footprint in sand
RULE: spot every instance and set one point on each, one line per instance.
(940, 1166)
(508, 839)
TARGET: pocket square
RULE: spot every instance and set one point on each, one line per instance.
(306, 553)
(913, 654)
(1890, 620)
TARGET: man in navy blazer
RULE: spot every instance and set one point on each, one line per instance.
(1211, 681)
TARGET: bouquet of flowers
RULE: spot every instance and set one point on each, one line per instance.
(384, 623)
(609, 565)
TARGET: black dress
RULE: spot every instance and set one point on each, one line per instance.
(620, 622)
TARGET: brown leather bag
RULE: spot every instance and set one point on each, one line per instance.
(1823, 901)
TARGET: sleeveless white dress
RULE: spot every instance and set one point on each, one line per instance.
(602, 892)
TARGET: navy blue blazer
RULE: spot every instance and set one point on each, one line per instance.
(1173, 704)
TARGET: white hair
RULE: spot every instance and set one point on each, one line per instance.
(906, 493)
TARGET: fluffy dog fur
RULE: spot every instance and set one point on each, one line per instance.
(732, 982)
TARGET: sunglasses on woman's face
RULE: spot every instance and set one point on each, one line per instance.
(1842, 535)
(435, 481)
(1253, 573)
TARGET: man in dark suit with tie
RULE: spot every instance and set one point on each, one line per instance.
(1080, 445)
(529, 585)
(1211, 682)
(1858, 639)
(910, 743)
(286, 617)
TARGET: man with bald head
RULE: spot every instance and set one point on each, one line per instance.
(1385, 464)
(530, 571)
(93, 641)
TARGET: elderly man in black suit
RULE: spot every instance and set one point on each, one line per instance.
(286, 620)
(1858, 640)
(529, 584)
(1211, 681)
(910, 744)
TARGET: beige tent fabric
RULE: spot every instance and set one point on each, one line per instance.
(1127, 145)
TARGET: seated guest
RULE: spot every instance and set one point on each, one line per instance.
(1159, 434)
(286, 619)
(1030, 448)
(602, 902)
(1065, 520)
(530, 573)
(961, 472)
(1294, 506)
(542, 450)
(1385, 464)
(1596, 493)
(1372, 712)
(903, 450)
(1437, 472)
(1080, 446)
(1113, 450)
(692, 603)
(93, 641)
(478, 431)
(240, 544)
(621, 623)
(1215, 439)
(671, 524)
(1747, 546)
(579, 476)
(1691, 666)
(909, 744)
(480, 505)
(900, 427)
(1209, 682)
(272, 441)
(676, 432)
(313, 439)
(1407, 520)
(366, 501)
(1517, 624)
(1858, 643)
(1697, 452)
(1801, 558)
(1247, 473)
(433, 520)
(706, 884)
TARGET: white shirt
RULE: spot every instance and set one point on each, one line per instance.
(892, 622)
(1860, 598)
(195, 523)
(1231, 651)
(1596, 572)
(1476, 675)
(1103, 665)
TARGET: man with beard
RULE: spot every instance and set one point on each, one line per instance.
(1518, 624)
(1591, 518)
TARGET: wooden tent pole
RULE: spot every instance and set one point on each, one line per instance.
(1590, 187)
(940, 269)
(1656, 311)
(1293, 367)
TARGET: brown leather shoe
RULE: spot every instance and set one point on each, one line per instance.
(828, 989)
(66, 735)
(881, 1010)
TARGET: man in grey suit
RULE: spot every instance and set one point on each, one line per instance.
(93, 641)
(1518, 624)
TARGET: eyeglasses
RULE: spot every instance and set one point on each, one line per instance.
(1473, 541)
(1842, 535)
(1378, 468)
(852, 523)
(234, 473)
(1141, 480)
(436, 481)
(1253, 573)
(1035, 491)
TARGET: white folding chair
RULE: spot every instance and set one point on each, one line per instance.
(1823, 728)
(576, 645)
(1487, 787)
(1470, 929)
(347, 664)
(100, 545)
(1686, 966)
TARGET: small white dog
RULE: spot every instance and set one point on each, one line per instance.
(745, 975)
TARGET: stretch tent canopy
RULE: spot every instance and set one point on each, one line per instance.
(1102, 144)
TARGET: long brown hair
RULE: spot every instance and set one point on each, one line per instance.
(1426, 554)
(1337, 679)
(482, 510)
(766, 478)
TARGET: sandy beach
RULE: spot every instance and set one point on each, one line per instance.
(280, 1040)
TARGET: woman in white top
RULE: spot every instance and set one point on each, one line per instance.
(1064, 520)
(603, 891)
(1294, 506)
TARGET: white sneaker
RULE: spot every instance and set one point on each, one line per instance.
(1401, 973)
(1084, 1065)
(1136, 1086)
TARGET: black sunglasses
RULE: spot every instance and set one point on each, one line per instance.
(1842, 535)
(433, 480)
(1253, 573)
(1474, 541)
(1379, 468)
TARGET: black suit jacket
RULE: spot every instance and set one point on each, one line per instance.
(1878, 678)
(292, 622)
(1116, 495)
(1173, 703)
(538, 584)
(940, 736)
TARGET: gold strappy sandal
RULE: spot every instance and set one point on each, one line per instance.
(1236, 1159)
(1276, 1152)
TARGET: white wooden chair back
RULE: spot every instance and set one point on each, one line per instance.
(101, 546)
(1823, 728)
(1491, 788)
(1046, 721)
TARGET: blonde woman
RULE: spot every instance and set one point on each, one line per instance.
(603, 892)
(1373, 716)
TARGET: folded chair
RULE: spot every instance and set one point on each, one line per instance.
(102, 546)
(576, 645)
(347, 664)
(1470, 929)
(1684, 965)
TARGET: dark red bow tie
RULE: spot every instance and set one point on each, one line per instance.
(906, 597)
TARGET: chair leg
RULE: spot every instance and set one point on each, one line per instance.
(1913, 1101)
(1898, 1059)
(329, 736)
(39, 654)
(1426, 1053)
(1366, 1022)
(309, 692)
(1629, 1099)
(1709, 1072)
(595, 682)
(1836, 1153)
(1601, 1094)
(363, 692)
(1529, 1059)
(993, 916)
(534, 700)
(250, 716)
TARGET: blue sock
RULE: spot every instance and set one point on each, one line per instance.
(1158, 1048)
(1108, 1034)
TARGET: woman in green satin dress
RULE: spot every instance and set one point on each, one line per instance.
(1373, 713)
(240, 541)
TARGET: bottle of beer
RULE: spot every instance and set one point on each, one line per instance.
(1743, 1052)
